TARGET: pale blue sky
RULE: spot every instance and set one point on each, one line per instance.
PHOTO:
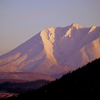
(22, 19)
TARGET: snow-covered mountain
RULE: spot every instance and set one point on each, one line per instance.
(54, 50)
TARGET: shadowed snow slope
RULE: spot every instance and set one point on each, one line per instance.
(54, 50)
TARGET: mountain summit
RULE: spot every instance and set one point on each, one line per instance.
(77, 26)
(54, 50)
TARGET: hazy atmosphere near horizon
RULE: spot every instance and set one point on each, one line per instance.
(22, 19)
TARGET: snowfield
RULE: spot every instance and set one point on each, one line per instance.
(54, 50)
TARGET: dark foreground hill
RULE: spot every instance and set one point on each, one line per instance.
(84, 83)
(22, 87)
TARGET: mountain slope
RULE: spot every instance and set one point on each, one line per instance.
(54, 50)
(24, 76)
(83, 83)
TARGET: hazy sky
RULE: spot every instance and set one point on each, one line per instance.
(22, 19)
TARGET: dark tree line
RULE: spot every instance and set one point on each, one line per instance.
(22, 87)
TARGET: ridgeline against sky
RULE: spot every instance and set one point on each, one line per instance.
(54, 51)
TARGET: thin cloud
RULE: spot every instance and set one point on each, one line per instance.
(38, 15)
(34, 15)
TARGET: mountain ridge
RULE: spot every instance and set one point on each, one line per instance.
(54, 50)
(25, 76)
